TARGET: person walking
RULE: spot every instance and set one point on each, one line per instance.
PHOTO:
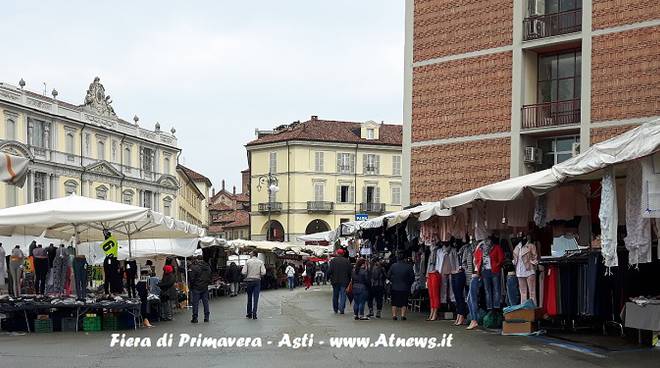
(233, 277)
(310, 272)
(339, 274)
(361, 283)
(290, 276)
(401, 276)
(168, 293)
(378, 277)
(253, 270)
(199, 281)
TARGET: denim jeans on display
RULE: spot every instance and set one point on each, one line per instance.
(512, 290)
(492, 287)
(253, 288)
(473, 298)
(338, 298)
(458, 287)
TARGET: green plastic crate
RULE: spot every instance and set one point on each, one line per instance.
(92, 324)
(110, 322)
(43, 325)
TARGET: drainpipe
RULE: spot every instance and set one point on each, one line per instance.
(121, 168)
(84, 169)
(355, 191)
(288, 192)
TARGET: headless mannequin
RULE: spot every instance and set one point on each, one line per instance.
(51, 254)
(3, 268)
(41, 267)
(525, 259)
(80, 272)
(131, 275)
(16, 269)
(433, 283)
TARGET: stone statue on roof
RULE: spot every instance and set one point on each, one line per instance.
(97, 101)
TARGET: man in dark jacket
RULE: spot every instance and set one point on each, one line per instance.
(199, 281)
(402, 276)
(233, 277)
(339, 273)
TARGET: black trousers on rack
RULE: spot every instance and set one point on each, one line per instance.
(40, 273)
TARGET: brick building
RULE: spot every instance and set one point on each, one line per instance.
(500, 88)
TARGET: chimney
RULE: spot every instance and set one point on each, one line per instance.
(234, 190)
(223, 184)
(213, 195)
(315, 117)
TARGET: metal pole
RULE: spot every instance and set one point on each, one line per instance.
(185, 269)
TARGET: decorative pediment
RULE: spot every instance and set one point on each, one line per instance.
(168, 181)
(103, 168)
(96, 101)
(16, 148)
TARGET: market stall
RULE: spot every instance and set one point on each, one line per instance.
(575, 239)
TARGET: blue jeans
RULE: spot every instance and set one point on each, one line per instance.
(290, 282)
(338, 298)
(492, 287)
(253, 288)
(512, 290)
(473, 298)
(196, 297)
(359, 300)
(458, 286)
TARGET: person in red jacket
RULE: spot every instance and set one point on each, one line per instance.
(488, 259)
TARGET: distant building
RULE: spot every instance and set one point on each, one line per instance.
(326, 172)
(85, 149)
(193, 196)
(229, 212)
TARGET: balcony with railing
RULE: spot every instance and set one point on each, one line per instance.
(372, 207)
(272, 207)
(320, 206)
(551, 114)
(547, 25)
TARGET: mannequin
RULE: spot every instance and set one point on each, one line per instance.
(3, 268)
(60, 264)
(80, 273)
(488, 259)
(32, 247)
(131, 274)
(112, 279)
(50, 251)
(16, 269)
(40, 269)
(458, 282)
(446, 262)
(433, 284)
(525, 258)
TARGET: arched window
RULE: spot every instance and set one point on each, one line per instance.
(127, 157)
(166, 165)
(70, 143)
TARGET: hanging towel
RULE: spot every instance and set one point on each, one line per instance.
(609, 218)
(638, 239)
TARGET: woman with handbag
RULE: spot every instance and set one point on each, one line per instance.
(360, 284)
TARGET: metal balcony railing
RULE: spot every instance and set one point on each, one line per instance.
(551, 114)
(270, 206)
(320, 206)
(546, 25)
(372, 207)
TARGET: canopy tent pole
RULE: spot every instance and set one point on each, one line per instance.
(185, 269)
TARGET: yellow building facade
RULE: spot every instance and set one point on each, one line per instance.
(193, 197)
(324, 173)
(87, 150)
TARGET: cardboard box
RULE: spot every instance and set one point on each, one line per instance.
(518, 327)
(524, 315)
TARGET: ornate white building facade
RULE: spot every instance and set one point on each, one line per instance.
(86, 149)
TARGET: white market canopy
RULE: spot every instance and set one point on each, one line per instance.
(62, 218)
(142, 248)
(328, 236)
(212, 241)
(271, 246)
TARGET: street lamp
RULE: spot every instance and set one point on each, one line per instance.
(271, 181)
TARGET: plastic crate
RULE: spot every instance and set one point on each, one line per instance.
(68, 324)
(43, 325)
(92, 324)
(126, 321)
(110, 322)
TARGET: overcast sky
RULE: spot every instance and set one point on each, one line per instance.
(215, 70)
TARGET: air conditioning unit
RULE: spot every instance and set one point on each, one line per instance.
(532, 155)
(575, 149)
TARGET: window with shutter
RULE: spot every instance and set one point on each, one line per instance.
(396, 195)
(396, 165)
(365, 195)
(273, 162)
(318, 161)
(318, 192)
(339, 194)
(365, 163)
(376, 164)
(351, 194)
(351, 163)
(377, 195)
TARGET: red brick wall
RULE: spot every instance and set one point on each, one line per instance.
(602, 134)
(441, 171)
(462, 98)
(626, 75)
(449, 27)
(612, 13)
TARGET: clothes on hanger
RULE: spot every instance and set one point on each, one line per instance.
(131, 275)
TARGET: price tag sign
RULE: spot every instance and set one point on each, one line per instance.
(110, 246)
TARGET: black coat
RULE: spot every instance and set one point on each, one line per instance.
(402, 276)
(339, 271)
(200, 276)
(167, 288)
(233, 273)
